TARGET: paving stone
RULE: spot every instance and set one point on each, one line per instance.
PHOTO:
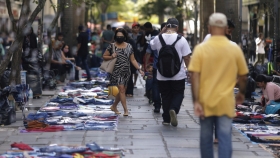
(183, 152)
(148, 143)
(263, 153)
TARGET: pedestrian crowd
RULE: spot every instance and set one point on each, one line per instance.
(164, 59)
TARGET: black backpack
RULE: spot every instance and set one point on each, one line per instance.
(169, 63)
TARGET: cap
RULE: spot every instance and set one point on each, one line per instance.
(172, 22)
(218, 19)
(135, 24)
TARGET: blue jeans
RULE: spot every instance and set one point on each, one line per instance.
(223, 128)
(82, 59)
(155, 90)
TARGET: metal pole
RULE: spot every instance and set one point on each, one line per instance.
(275, 29)
(195, 24)
(240, 20)
(42, 29)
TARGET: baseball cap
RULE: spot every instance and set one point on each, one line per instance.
(172, 22)
(218, 19)
(135, 24)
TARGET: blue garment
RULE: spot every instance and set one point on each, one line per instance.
(63, 149)
(155, 90)
(223, 127)
(272, 108)
(62, 100)
(38, 116)
(154, 52)
(83, 60)
(94, 147)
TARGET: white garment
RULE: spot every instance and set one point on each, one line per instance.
(260, 47)
(208, 36)
(182, 48)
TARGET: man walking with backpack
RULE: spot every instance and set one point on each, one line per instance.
(174, 53)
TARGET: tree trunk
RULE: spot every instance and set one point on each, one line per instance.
(230, 9)
(160, 18)
(103, 6)
(15, 48)
(67, 23)
(207, 8)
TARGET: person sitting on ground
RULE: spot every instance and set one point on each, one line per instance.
(69, 60)
(271, 91)
(58, 62)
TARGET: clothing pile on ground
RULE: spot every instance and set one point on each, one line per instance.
(91, 150)
(95, 72)
(80, 106)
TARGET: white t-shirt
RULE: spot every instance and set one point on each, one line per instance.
(260, 48)
(182, 48)
(209, 36)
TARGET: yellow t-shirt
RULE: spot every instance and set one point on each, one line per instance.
(219, 62)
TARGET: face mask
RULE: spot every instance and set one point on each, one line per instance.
(120, 39)
(229, 37)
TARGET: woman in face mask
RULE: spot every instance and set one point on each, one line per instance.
(121, 73)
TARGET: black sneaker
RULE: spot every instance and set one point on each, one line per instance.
(150, 101)
(156, 110)
(173, 117)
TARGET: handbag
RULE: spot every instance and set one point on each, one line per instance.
(108, 66)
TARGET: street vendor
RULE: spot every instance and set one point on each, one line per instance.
(271, 91)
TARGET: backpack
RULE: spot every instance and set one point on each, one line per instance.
(169, 63)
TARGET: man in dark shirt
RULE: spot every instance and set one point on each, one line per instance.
(82, 52)
(107, 38)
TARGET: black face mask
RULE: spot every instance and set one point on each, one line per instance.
(229, 37)
(119, 39)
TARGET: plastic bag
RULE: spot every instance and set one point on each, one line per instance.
(35, 84)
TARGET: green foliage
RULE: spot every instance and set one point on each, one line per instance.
(158, 7)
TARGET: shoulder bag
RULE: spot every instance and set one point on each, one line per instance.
(109, 65)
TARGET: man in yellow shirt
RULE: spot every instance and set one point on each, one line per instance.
(214, 66)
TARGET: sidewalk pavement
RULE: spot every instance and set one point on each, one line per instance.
(141, 134)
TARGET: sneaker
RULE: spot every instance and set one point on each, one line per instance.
(150, 101)
(173, 117)
(156, 110)
(165, 123)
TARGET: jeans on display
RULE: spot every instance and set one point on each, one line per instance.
(82, 59)
(39, 116)
(172, 95)
(62, 100)
(223, 128)
(155, 91)
(63, 149)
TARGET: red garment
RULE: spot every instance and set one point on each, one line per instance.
(256, 116)
(21, 146)
(47, 129)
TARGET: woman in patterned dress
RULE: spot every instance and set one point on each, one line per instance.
(121, 73)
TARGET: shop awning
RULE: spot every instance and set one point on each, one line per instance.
(249, 2)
